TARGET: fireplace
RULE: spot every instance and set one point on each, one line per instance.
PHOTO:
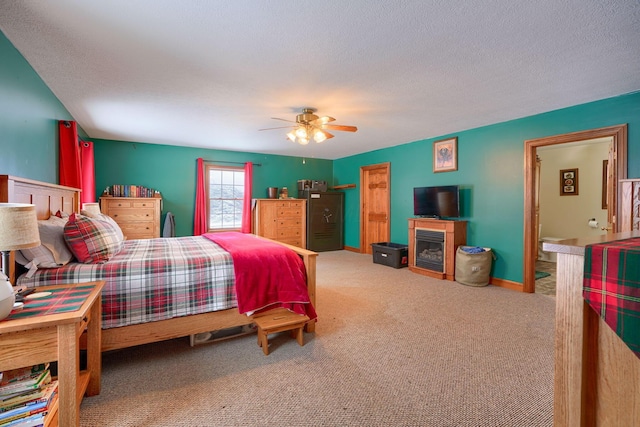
(429, 250)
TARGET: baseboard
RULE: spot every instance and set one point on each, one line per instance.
(502, 283)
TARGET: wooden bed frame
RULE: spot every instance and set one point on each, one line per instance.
(51, 198)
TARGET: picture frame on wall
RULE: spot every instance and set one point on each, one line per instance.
(445, 155)
(569, 182)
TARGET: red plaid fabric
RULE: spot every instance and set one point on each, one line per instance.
(92, 239)
(612, 286)
(154, 279)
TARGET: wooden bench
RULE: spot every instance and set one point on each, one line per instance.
(279, 320)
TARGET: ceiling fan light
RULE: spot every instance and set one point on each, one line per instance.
(301, 132)
(303, 141)
(319, 136)
(292, 136)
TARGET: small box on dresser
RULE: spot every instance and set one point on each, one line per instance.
(138, 217)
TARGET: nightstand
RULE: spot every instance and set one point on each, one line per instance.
(48, 328)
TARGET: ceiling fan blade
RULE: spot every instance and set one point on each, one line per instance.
(328, 135)
(279, 127)
(284, 120)
(340, 127)
(323, 120)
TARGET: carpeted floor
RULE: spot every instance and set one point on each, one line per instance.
(392, 348)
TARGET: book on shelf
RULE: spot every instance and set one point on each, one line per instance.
(33, 412)
(22, 412)
(34, 420)
(33, 382)
(13, 375)
(46, 394)
(118, 190)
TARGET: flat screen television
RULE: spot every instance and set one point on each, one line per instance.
(437, 202)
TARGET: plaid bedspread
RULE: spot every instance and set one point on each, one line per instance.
(612, 286)
(154, 279)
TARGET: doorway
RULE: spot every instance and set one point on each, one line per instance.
(617, 170)
(375, 205)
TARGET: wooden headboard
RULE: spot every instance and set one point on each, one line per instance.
(46, 197)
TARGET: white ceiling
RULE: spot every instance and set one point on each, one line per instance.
(205, 73)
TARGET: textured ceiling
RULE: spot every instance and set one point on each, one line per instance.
(209, 74)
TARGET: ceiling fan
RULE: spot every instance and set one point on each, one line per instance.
(310, 126)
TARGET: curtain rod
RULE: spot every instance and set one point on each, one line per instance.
(233, 163)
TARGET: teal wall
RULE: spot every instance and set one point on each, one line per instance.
(29, 113)
(490, 173)
(172, 171)
(490, 162)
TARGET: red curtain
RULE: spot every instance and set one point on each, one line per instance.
(76, 163)
(200, 217)
(88, 194)
(69, 155)
(246, 205)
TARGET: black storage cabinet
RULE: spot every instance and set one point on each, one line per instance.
(325, 220)
(391, 254)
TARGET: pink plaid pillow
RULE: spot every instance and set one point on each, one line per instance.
(92, 240)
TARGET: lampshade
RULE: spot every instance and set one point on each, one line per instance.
(18, 226)
(92, 208)
(303, 133)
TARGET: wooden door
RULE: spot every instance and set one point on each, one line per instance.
(617, 170)
(375, 223)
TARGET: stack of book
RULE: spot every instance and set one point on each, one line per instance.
(27, 395)
(130, 191)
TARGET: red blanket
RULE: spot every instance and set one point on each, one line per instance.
(268, 275)
(612, 286)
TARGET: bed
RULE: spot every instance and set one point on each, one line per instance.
(119, 331)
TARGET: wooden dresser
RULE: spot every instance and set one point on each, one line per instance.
(138, 217)
(283, 220)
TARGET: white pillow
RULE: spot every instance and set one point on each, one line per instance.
(53, 250)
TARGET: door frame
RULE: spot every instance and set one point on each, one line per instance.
(363, 212)
(619, 135)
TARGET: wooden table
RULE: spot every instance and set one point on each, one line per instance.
(597, 377)
(54, 334)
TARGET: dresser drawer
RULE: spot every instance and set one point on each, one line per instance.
(290, 211)
(140, 231)
(115, 204)
(143, 204)
(289, 232)
(289, 222)
(126, 215)
(292, 241)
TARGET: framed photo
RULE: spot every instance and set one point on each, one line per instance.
(445, 155)
(569, 182)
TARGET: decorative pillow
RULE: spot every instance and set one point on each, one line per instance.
(106, 218)
(92, 240)
(61, 214)
(53, 251)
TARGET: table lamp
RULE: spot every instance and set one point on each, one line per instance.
(18, 230)
(92, 208)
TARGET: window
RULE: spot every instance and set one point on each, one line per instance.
(225, 196)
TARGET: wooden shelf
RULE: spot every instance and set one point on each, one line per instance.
(343, 186)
